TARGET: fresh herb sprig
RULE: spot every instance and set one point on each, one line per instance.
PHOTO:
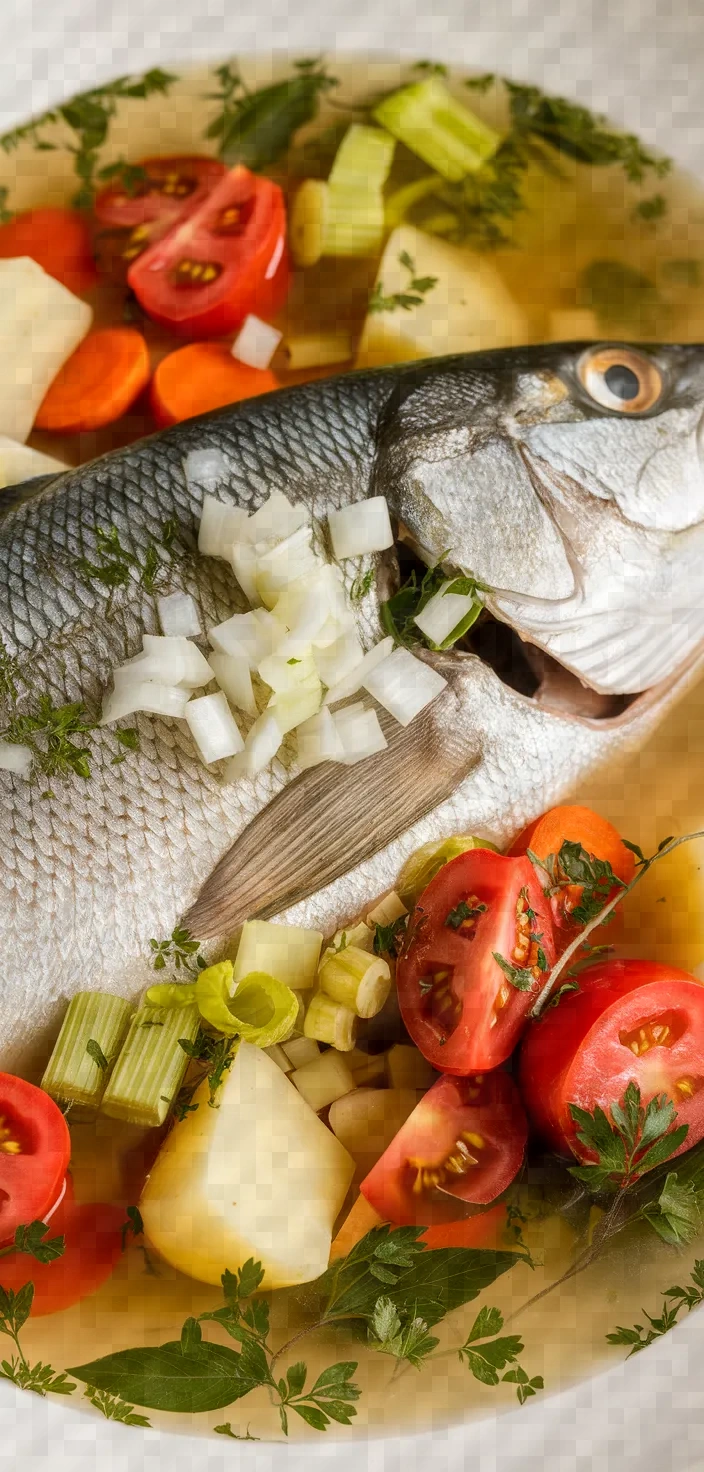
(179, 950)
(48, 731)
(574, 866)
(486, 1351)
(520, 977)
(388, 938)
(114, 1409)
(88, 116)
(674, 1301)
(631, 1142)
(116, 567)
(15, 1308)
(216, 1055)
(413, 296)
(256, 128)
(399, 612)
(33, 1240)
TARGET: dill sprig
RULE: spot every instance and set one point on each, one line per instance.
(48, 731)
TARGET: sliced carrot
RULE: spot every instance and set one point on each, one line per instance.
(201, 377)
(58, 239)
(360, 1220)
(97, 383)
(577, 825)
(482, 1230)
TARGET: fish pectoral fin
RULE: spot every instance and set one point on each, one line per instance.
(333, 817)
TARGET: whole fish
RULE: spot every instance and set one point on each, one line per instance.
(526, 468)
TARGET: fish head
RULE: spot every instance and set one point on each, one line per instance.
(569, 479)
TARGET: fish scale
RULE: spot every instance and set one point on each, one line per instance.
(89, 875)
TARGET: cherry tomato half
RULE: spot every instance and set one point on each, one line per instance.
(141, 206)
(464, 1142)
(599, 839)
(630, 1020)
(35, 1149)
(225, 261)
(93, 1235)
(459, 1004)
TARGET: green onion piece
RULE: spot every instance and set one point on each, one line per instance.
(328, 1021)
(171, 994)
(428, 860)
(151, 1066)
(73, 1073)
(447, 136)
(262, 1010)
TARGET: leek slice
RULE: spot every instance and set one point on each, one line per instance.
(328, 1021)
(77, 1072)
(429, 859)
(262, 1010)
(171, 994)
(359, 980)
(150, 1068)
(450, 138)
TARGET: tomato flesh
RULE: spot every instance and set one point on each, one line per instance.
(458, 1004)
(225, 261)
(93, 1236)
(35, 1149)
(463, 1143)
(634, 1021)
(129, 220)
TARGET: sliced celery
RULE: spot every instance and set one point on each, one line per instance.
(345, 216)
(261, 1010)
(358, 980)
(151, 1066)
(91, 1036)
(429, 859)
(328, 1021)
(447, 136)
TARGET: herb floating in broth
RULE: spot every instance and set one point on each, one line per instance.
(257, 128)
(675, 1299)
(418, 288)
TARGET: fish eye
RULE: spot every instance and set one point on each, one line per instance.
(620, 379)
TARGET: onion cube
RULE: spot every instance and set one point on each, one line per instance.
(171, 660)
(360, 733)
(262, 743)
(146, 695)
(250, 634)
(233, 676)
(178, 615)
(443, 612)
(220, 526)
(213, 727)
(275, 519)
(256, 342)
(404, 685)
(358, 675)
(337, 660)
(363, 527)
(318, 740)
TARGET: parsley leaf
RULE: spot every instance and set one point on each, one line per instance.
(180, 950)
(387, 937)
(134, 1226)
(519, 976)
(33, 1240)
(633, 1141)
(463, 912)
(226, 1430)
(405, 1338)
(362, 585)
(95, 1052)
(114, 1409)
(414, 295)
(257, 128)
(486, 1355)
(678, 1214)
(15, 1309)
(674, 1301)
(47, 729)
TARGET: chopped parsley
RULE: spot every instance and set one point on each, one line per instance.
(387, 937)
(95, 1052)
(413, 296)
(520, 976)
(634, 1139)
(463, 912)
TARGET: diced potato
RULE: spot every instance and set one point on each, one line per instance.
(41, 323)
(323, 1080)
(408, 1069)
(260, 1176)
(287, 952)
(367, 1120)
(277, 1055)
(301, 1050)
(469, 308)
(367, 1068)
(18, 463)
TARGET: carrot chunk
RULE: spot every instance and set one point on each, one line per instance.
(201, 377)
(97, 383)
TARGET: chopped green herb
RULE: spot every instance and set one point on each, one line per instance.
(414, 295)
(406, 1338)
(9, 674)
(226, 1430)
(33, 1241)
(387, 937)
(95, 1052)
(257, 128)
(362, 585)
(463, 912)
(482, 83)
(216, 1054)
(519, 976)
(180, 950)
(431, 68)
(293, 661)
(5, 214)
(632, 1141)
(116, 567)
(674, 1301)
(114, 1409)
(133, 179)
(48, 731)
(15, 1309)
(574, 866)
(652, 209)
(129, 738)
(678, 1213)
(133, 1227)
(485, 1354)
(399, 611)
(562, 991)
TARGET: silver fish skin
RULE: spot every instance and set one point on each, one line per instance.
(93, 872)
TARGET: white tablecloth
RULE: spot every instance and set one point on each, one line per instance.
(641, 61)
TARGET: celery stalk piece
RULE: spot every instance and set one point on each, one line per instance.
(450, 138)
(151, 1066)
(328, 1021)
(287, 952)
(359, 980)
(85, 1051)
(355, 203)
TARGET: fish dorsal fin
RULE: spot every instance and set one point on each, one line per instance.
(333, 817)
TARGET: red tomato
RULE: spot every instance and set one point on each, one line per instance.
(482, 1230)
(464, 1142)
(35, 1149)
(459, 1006)
(93, 1236)
(225, 261)
(597, 837)
(130, 221)
(630, 1020)
(58, 239)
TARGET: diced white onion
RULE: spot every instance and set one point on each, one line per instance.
(256, 342)
(330, 633)
(357, 677)
(318, 740)
(233, 676)
(146, 695)
(261, 745)
(363, 527)
(286, 563)
(244, 563)
(275, 519)
(335, 662)
(252, 634)
(15, 758)
(206, 468)
(404, 685)
(220, 527)
(213, 727)
(443, 613)
(283, 675)
(359, 732)
(178, 615)
(195, 670)
(293, 707)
